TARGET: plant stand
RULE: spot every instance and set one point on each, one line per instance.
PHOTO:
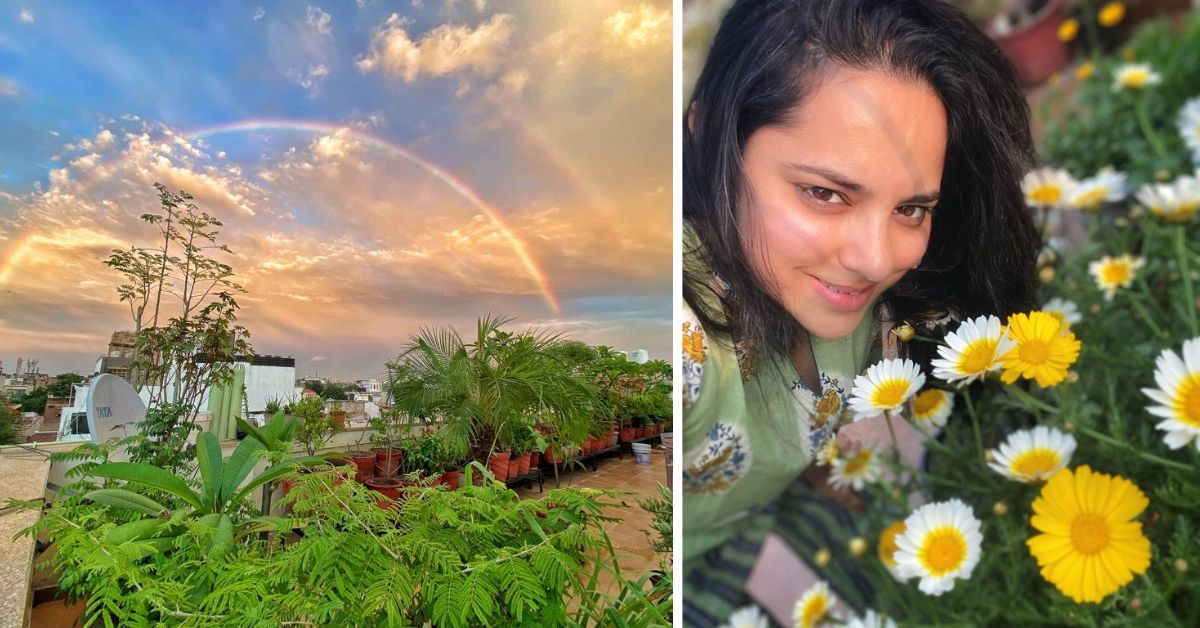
(534, 475)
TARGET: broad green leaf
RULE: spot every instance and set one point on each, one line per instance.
(149, 475)
(122, 498)
(208, 458)
(241, 462)
(223, 539)
(134, 531)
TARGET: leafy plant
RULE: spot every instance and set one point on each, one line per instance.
(11, 423)
(314, 426)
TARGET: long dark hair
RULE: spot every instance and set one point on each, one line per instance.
(766, 56)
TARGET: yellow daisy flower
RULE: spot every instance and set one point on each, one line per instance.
(1089, 546)
(940, 544)
(1033, 455)
(887, 548)
(1115, 272)
(1044, 351)
(1085, 71)
(885, 387)
(1062, 309)
(1089, 194)
(932, 406)
(1135, 76)
(1178, 394)
(1068, 29)
(813, 606)
(1111, 14)
(972, 351)
(856, 470)
(1046, 187)
(1173, 202)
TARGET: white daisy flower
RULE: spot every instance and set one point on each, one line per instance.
(1173, 202)
(871, 619)
(885, 387)
(747, 617)
(1178, 393)
(940, 544)
(1033, 455)
(1135, 76)
(972, 351)
(828, 453)
(887, 548)
(1115, 272)
(813, 606)
(1189, 126)
(856, 470)
(1064, 310)
(1047, 187)
(1107, 186)
(932, 406)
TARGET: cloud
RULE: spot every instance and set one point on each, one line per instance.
(447, 49)
(311, 79)
(104, 139)
(259, 13)
(641, 28)
(25, 16)
(8, 87)
(320, 22)
(85, 163)
(317, 358)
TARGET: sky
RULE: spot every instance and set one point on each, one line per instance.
(378, 167)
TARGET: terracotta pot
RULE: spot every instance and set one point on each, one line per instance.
(498, 465)
(549, 456)
(514, 466)
(387, 464)
(535, 459)
(389, 487)
(451, 478)
(340, 417)
(628, 434)
(365, 462)
(523, 464)
(1034, 49)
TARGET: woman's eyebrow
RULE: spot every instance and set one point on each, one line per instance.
(841, 180)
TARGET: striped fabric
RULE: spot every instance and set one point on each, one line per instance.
(714, 586)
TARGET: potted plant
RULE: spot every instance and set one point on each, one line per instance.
(424, 456)
(1027, 33)
(388, 429)
(363, 460)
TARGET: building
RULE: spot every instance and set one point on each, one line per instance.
(370, 386)
(121, 344)
(640, 356)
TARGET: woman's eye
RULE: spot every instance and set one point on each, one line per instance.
(824, 195)
(914, 213)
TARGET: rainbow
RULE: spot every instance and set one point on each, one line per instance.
(22, 249)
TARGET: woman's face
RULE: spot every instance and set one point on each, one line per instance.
(840, 195)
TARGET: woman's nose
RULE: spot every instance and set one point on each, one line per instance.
(867, 248)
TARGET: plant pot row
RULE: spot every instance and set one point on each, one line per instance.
(629, 434)
(506, 466)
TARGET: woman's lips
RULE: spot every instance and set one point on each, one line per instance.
(842, 296)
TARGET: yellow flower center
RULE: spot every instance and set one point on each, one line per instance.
(813, 611)
(1068, 30)
(978, 357)
(1136, 78)
(857, 463)
(1187, 405)
(927, 402)
(1034, 462)
(1047, 194)
(1034, 351)
(1089, 533)
(1091, 199)
(944, 551)
(890, 393)
(887, 543)
(1115, 274)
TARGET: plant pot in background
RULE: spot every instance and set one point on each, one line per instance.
(628, 434)
(523, 464)
(1033, 47)
(535, 459)
(451, 478)
(389, 487)
(498, 465)
(365, 462)
(387, 464)
(514, 466)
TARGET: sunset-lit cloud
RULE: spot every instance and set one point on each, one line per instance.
(446, 163)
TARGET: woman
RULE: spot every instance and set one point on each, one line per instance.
(848, 165)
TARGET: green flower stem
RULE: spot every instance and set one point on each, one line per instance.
(1141, 312)
(1189, 293)
(1148, 457)
(926, 339)
(1033, 403)
(974, 425)
(1147, 130)
(1089, 25)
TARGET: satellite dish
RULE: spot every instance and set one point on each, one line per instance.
(111, 402)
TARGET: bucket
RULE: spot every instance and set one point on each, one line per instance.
(643, 457)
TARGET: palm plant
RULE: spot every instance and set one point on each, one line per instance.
(481, 389)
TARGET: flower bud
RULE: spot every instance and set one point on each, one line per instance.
(1046, 274)
(1137, 212)
(1095, 308)
(1000, 509)
(1069, 425)
(1162, 175)
(1072, 376)
(822, 557)
(904, 332)
(1121, 221)
(858, 546)
(1181, 565)
(989, 456)
(1135, 603)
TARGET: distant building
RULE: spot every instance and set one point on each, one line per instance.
(121, 344)
(116, 365)
(370, 386)
(639, 356)
(308, 392)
